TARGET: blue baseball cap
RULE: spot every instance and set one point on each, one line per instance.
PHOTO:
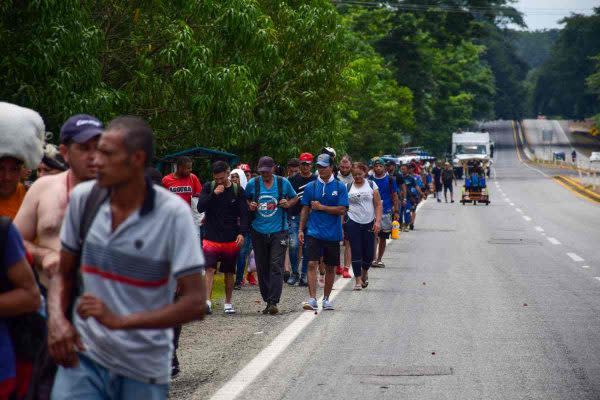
(80, 128)
(324, 160)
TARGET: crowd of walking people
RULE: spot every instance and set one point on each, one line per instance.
(103, 259)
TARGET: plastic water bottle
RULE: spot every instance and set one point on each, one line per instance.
(395, 230)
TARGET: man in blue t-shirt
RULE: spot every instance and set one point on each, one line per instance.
(269, 197)
(15, 274)
(323, 203)
(413, 195)
(388, 190)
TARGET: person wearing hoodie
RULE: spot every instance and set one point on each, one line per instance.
(238, 177)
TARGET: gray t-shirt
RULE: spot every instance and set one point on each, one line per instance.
(133, 269)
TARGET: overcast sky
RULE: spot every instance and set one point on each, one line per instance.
(545, 14)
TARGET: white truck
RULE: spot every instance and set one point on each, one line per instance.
(470, 146)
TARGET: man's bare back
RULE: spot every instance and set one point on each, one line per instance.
(40, 218)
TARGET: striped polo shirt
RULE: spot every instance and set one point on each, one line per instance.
(133, 269)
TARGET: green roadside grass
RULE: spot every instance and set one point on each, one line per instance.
(218, 293)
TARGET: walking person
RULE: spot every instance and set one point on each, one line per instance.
(238, 177)
(40, 218)
(183, 182)
(117, 341)
(448, 180)
(388, 190)
(269, 196)
(411, 196)
(436, 171)
(363, 223)
(325, 200)
(345, 176)
(226, 224)
(19, 295)
(298, 252)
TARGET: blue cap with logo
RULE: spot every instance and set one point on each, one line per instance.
(324, 160)
(80, 128)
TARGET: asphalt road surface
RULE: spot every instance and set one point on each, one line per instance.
(479, 302)
(548, 136)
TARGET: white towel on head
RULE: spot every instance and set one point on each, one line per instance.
(242, 175)
(22, 134)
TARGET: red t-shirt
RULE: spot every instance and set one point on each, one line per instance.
(186, 188)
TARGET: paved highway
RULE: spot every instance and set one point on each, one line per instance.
(479, 302)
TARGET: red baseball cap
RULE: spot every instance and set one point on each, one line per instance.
(244, 167)
(306, 158)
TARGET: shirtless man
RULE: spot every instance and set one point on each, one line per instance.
(40, 217)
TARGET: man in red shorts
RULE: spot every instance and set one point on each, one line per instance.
(226, 223)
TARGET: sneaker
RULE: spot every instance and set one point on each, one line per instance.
(346, 273)
(405, 228)
(251, 279)
(237, 286)
(208, 307)
(310, 305)
(357, 287)
(303, 281)
(452, 201)
(286, 276)
(327, 305)
(439, 201)
(321, 281)
(273, 309)
(228, 308)
(339, 270)
(412, 227)
(293, 279)
(267, 308)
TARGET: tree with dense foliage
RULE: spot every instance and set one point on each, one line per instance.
(561, 86)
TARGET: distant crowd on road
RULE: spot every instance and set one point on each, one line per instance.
(103, 259)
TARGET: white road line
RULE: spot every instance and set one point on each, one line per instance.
(553, 240)
(597, 277)
(585, 266)
(519, 210)
(507, 200)
(512, 204)
(236, 385)
(539, 229)
(526, 218)
(575, 257)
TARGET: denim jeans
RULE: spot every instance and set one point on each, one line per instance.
(91, 381)
(294, 225)
(242, 257)
(362, 245)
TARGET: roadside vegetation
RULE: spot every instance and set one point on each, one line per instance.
(273, 77)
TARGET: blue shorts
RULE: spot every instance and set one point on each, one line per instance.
(91, 381)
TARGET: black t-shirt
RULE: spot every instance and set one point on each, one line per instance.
(448, 175)
(299, 183)
(226, 214)
(437, 174)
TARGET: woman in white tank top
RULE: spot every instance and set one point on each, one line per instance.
(363, 223)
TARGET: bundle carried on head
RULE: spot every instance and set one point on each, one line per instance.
(22, 134)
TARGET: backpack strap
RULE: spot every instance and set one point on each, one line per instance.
(391, 185)
(257, 188)
(95, 199)
(349, 186)
(279, 198)
(370, 184)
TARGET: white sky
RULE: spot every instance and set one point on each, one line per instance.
(545, 14)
